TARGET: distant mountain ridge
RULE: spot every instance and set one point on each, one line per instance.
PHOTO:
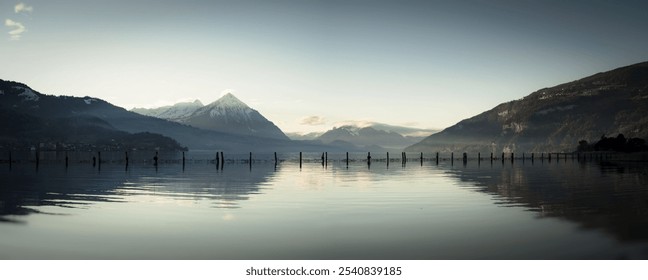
(368, 135)
(227, 114)
(554, 119)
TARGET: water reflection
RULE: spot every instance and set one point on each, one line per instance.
(25, 189)
(608, 196)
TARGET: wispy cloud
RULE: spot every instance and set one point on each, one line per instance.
(18, 29)
(23, 8)
(313, 120)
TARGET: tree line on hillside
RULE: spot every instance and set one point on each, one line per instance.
(615, 144)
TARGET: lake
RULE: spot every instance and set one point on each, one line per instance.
(562, 209)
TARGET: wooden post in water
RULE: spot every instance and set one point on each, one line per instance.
(275, 156)
(452, 157)
(126, 157)
(99, 158)
(478, 157)
(387, 158)
(491, 157)
(322, 159)
(347, 159)
(222, 160)
(300, 160)
(66, 159)
(94, 161)
(250, 160)
(502, 157)
(217, 161)
(532, 156)
(10, 161)
(465, 158)
(549, 157)
(326, 158)
(437, 158)
(155, 159)
(512, 157)
(369, 157)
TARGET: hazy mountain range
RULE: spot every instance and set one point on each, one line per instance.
(548, 120)
(555, 119)
(368, 136)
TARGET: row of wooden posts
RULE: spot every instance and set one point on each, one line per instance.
(220, 158)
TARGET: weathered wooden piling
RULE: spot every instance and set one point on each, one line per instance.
(10, 161)
(491, 157)
(542, 156)
(250, 160)
(503, 157)
(326, 158)
(275, 156)
(66, 160)
(465, 158)
(532, 156)
(126, 157)
(478, 157)
(222, 160)
(347, 159)
(452, 157)
(512, 157)
(387, 158)
(155, 159)
(300, 160)
(549, 157)
(369, 157)
(437, 158)
(99, 158)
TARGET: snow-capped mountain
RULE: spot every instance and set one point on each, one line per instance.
(176, 112)
(227, 114)
(231, 115)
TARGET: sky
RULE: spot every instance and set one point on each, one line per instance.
(310, 65)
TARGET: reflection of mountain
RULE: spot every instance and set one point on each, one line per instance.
(613, 197)
(25, 189)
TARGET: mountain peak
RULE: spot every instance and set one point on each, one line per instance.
(229, 100)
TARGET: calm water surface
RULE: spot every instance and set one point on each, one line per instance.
(544, 210)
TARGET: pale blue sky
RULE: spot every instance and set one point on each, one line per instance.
(427, 64)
